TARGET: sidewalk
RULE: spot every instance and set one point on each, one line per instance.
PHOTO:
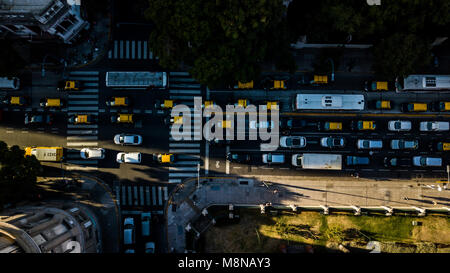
(187, 200)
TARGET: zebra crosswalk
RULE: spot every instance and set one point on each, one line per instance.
(84, 101)
(147, 197)
(182, 90)
(134, 50)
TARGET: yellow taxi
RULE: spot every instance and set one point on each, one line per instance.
(177, 120)
(414, 107)
(319, 79)
(443, 146)
(55, 102)
(69, 85)
(245, 85)
(365, 125)
(82, 119)
(443, 106)
(279, 84)
(383, 104)
(164, 158)
(333, 126)
(122, 118)
(18, 101)
(379, 86)
(118, 101)
(167, 104)
(208, 104)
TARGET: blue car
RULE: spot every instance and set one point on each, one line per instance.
(357, 160)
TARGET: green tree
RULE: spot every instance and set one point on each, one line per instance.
(221, 41)
(18, 175)
(401, 55)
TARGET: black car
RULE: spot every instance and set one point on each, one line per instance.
(294, 123)
(392, 162)
(238, 158)
(46, 119)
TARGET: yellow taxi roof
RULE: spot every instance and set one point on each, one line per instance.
(420, 106)
(320, 79)
(279, 84)
(447, 105)
(226, 123)
(15, 100)
(119, 100)
(245, 85)
(168, 103)
(209, 103)
(242, 102)
(386, 104)
(126, 117)
(445, 146)
(165, 158)
(382, 86)
(82, 118)
(178, 120)
(53, 102)
(335, 125)
(368, 124)
(272, 105)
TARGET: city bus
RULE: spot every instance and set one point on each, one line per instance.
(424, 83)
(137, 80)
(329, 102)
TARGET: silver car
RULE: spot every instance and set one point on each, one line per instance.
(92, 153)
(399, 125)
(127, 139)
(133, 157)
(397, 144)
(292, 141)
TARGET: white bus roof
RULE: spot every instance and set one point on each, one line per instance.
(426, 82)
(136, 79)
(329, 102)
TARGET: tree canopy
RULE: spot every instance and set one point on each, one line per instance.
(18, 175)
(221, 41)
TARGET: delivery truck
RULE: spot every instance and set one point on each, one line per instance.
(318, 161)
(45, 153)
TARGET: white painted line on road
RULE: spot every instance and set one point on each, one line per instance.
(188, 157)
(82, 132)
(148, 111)
(25, 132)
(141, 192)
(154, 196)
(178, 97)
(9, 132)
(166, 196)
(265, 168)
(184, 144)
(88, 90)
(80, 168)
(90, 126)
(121, 52)
(183, 85)
(147, 195)
(227, 163)
(136, 111)
(174, 180)
(82, 137)
(83, 102)
(183, 174)
(172, 91)
(130, 196)
(28, 109)
(159, 196)
(190, 163)
(16, 110)
(151, 55)
(193, 151)
(84, 79)
(124, 194)
(40, 110)
(101, 110)
(236, 167)
(175, 169)
(81, 144)
(90, 84)
(81, 113)
(83, 162)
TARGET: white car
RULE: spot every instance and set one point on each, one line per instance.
(129, 231)
(266, 124)
(92, 153)
(434, 126)
(292, 141)
(133, 157)
(127, 139)
(150, 247)
(273, 158)
(425, 161)
(399, 125)
(369, 144)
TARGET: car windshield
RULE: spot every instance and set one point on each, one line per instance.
(289, 142)
(86, 153)
(269, 157)
(122, 157)
(366, 144)
(234, 156)
(121, 139)
(430, 126)
(401, 144)
(394, 162)
(397, 125)
(423, 161)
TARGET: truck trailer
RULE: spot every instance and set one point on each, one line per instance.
(318, 161)
(54, 154)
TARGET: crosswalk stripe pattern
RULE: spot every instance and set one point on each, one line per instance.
(130, 196)
(82, 135)
(182, 90)
(133, 50)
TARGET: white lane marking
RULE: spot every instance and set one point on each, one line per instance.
(145, 50)
(174, 180)
(185, 92)
(159, 196)
(82, 162)
(83, 108)
(84, 73)
(76, 144)
(82, 137)
(83, 102)
(115, 48)
(183, 174)
(154, 196)
(83, 96)
(185, 163)
(171, 169)
(121, 49)
(139, 46)
(81, 168)
(179, 73)
(184, 144)
(193, 151)
(82, 126)
(166, 196)
(127, 52)
(82, 132)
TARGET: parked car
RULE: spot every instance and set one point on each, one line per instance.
(332, 126)
(122, 118)
(36, 119)
(17, 101)
(397, 162)
(150, 247)
(129, 235)
(273, 158)
(357, 160)
(238, 158)
(266, 124)
(332, 142)
(133, 157)
(52, 103)
(434, 126)
(397, 144)
(414, 107)
(92, 153)
(427, 161)
(145, 223)
(382, 104)
(363, 125)
(293, 123)
(127, 139)
(292, 141)
(369, 144)
(443, 146)
(441, 106)
(399, 125)
(118, 101)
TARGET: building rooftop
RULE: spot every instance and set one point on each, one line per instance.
(24, 6)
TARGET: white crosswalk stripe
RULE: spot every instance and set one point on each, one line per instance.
(148, 197)
(131, 50)
(84, 101)
(183, 88)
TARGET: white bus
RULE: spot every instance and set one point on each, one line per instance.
(137, 79)
(329, 102)
(426, 83)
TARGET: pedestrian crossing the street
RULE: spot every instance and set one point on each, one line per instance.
(183, 89)
(131, 50)
(84, 101)
(132, 196)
